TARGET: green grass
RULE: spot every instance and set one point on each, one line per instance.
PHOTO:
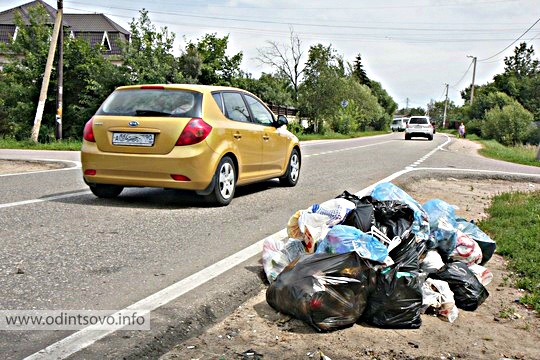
(330, 136)
(520, 154)
(514, 223)
(6, 143)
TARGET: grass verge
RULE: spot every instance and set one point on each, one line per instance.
(67, 145)
(329, 136)
(514, 223)
(521, 154)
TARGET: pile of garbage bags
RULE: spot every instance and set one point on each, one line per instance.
(382, 259)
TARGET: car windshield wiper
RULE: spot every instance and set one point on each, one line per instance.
(151, 113)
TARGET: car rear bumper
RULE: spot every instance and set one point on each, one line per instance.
(197, 162)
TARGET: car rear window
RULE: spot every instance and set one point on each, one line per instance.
(152, 102)
(418, 121)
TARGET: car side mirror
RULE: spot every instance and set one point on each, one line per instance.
(281, 120)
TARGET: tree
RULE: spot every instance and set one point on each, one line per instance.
(521, 79)
(216, 67)
(88, 79)
(522, 64)
(359, 73)
(285, 59)
(148, 55)
(22, 76)
(509, 125)
(384, 99)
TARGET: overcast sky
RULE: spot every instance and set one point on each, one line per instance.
(412, 47)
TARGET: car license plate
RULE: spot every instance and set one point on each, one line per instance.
(133, 139)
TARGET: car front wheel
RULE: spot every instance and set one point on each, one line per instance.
(293, 170)
(106, 191)
(225, 178)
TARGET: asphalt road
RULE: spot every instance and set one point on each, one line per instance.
(63, 248)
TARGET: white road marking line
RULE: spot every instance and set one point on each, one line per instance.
(40, 171)
(44, 199)
(77, 165)
(346, 149)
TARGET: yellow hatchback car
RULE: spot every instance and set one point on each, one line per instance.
(195, 137)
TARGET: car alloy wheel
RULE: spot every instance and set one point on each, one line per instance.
(293, 170)
(226, 180)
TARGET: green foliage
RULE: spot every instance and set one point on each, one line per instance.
(514, 223)
(272, 89)
(148, 56)
(359, 73)
(385, 100)
(216, 68)
(21, 79)
(486, 100)
(508, 125)
(326, 86)
(66, 145)
(89, 79)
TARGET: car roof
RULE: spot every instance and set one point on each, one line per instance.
(191, 87)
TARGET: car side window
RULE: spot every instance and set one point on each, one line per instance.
(235, 107)
(219, 101)
(261, 115)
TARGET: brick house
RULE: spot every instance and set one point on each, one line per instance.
(97, 29)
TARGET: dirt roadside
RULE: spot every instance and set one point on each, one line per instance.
(498, 329)
(22, 166)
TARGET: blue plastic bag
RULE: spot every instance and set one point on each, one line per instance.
(442, 225)
(342, 239)
(389, 191)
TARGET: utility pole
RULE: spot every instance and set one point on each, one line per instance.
(406, 104)
(60, 85)
(473, 76)
(445, 107)
(46, 77)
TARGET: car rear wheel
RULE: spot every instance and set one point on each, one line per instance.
(225, 179)
(293, 170)
(106, 191)
(430, 137)
(407, 137)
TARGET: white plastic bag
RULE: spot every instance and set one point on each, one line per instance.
(437, 294)
(278, 253)
(432, 262)
(336, 210)
(483, 274)
(467, 250)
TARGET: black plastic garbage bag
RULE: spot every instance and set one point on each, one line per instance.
(328, 291)
(394, 218)
(363, 216)
(406, 254)
(396, 302)
(469, 293)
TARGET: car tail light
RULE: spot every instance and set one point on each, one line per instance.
(88, 132)
(195, 131)
(90, 172)
(179, 177)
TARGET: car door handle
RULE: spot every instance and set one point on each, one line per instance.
(237, 136)
(266, 137)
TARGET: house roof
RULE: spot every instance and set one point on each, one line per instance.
(91, 27)
(7, 17)
(92, 23)
(75, 22)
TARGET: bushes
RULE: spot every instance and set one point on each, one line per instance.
(509, 125)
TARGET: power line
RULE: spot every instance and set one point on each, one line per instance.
(463, 77)
(513, 42)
